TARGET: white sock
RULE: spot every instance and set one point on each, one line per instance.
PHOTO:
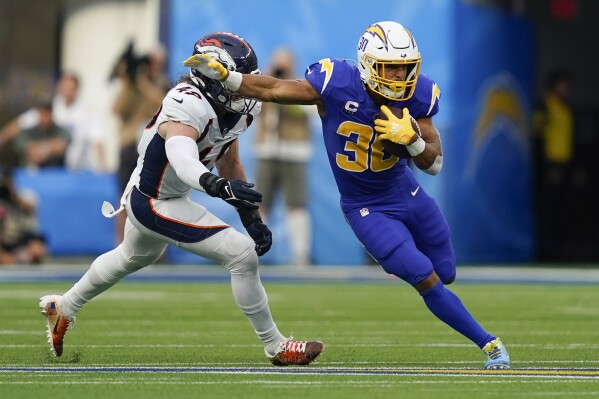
(251, 298)
(105, 271)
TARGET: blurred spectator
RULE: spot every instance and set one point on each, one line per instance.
(283, 148)
(20, 239)
(43, 145)
(557, 173)
(143, 85)
(86, 148)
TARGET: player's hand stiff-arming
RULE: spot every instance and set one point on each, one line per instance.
(207, 66)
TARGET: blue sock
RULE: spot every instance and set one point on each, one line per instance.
(448, 308)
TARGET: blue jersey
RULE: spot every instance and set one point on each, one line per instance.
(361, 167)
(388, 211)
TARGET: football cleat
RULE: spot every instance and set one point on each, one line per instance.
(297, 353)
(497, 356)
(58, 323)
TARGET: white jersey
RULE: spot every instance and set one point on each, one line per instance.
(184, 103)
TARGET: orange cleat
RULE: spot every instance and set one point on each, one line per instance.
(298, 353)
(58, 323)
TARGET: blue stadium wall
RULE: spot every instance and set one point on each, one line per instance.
(488, 168)
(480, 57)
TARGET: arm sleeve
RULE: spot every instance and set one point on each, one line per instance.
(182, 154)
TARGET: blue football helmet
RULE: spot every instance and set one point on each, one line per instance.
(236, 55)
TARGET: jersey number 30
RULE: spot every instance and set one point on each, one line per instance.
(363, 150)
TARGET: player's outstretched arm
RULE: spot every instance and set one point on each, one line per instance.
(264, 88)
(282, 91)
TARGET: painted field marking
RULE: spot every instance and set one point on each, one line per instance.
(570, 373)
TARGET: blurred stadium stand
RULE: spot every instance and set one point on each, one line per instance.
(488, 56)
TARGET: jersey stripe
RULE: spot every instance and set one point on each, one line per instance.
(144, 212)
(435, 96)
(154, 166)
(327, 67)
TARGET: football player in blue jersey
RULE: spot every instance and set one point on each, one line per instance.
(398, 223)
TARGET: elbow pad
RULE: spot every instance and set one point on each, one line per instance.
(182, 154)
(435, 168)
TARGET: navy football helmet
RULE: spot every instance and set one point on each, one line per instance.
(236, 55)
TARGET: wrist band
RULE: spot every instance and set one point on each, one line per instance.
(210, 184)
(233, 81)
(417, 147)
(435, 168)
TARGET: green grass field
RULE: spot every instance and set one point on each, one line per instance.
(154, 340)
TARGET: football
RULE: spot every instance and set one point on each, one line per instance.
(392, 148)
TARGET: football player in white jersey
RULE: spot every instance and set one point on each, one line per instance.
(195, 129)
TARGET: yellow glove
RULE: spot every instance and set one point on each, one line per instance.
(394, 129)
(207, 66)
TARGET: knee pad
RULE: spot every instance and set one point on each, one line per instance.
(114, 265)
(446, 271)
(449, 280)
(242, 255)
(444, 261)
(130, 261)
(412, 268)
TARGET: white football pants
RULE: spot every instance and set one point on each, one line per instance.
(142, 247)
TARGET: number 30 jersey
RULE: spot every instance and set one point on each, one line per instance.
(360, 165)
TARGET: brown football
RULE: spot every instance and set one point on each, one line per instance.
(392, 148)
